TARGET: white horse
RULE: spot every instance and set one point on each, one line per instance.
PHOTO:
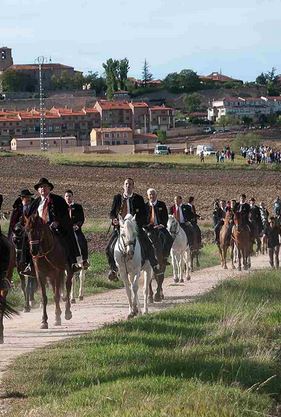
(180, 252)
(127, 255)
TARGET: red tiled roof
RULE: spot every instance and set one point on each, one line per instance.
(114, 105)
(156, 108)
(28, 67)
(91, 110)
(138, 104)
(216, 76)
(113, 129)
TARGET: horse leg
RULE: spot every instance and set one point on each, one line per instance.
(147, 280)
(258, 250)
(24, 288)
(191, 261)
(44, 322)
(197, 259)
(135, 298)
(174, 265)
(72, 292)
(81, 282)
(125, 279)
(270, 253)
(239, 259)
(159, 296)
(1, 322)
(224, 256)
(150, 292)
(187, 263)
(56, 289)
(277, 257)
(68, 285)
(181, 266)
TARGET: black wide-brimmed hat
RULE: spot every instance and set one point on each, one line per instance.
(25, 193)
(43, 181)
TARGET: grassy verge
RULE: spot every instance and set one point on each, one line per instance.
(219, 356)
(155, 161)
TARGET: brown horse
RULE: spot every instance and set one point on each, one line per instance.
(7, 257)
(241, 237)
(225, 239)
(50, 262)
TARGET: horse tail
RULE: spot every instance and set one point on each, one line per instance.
(6, 309)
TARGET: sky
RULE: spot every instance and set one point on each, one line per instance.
(241, 39)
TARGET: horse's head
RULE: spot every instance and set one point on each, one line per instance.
(128, 234)
(173, 226)
(34, 229)
(238, 221)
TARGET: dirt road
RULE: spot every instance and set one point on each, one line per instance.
(22, 334)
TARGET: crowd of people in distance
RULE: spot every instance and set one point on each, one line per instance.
(225, 154)
(260, 154)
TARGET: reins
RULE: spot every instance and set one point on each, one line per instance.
(44, 255)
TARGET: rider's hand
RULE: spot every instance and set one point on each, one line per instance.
(54, 225)
(75, 227)
(115, 222)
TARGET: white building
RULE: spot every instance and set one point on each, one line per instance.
(53, 143)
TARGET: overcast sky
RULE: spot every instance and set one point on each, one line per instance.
(240, 38)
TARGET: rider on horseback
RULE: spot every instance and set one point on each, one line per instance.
(255, 215)
(53, 210)
(129, 203)
(244, 208)
(157, 217)
(183, 214)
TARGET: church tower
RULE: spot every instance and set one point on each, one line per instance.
(6, 59)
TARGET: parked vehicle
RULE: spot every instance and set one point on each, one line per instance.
(208, 129)
(206, 149)
(161, 150)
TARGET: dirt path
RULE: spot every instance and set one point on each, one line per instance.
(22, 334)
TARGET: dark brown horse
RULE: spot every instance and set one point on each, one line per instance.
(241, 236)
(28, 284)
(159, 278)
(50, 263)
(7, 258)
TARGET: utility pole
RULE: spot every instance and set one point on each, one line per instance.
(43, 143)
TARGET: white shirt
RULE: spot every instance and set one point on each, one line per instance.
(40, 207)
(127, 197)
(155, 217)
(180, 212)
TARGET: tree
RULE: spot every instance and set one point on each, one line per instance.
(146, 74)
(247, 121)
(161, 136)
(186, 81)
(224, 121)
(123, 70)
(270, 80)
(248, 140)
(13, 81)
(192, 102)
(95, 82)
(261, 79)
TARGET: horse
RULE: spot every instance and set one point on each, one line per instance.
(127, 255)
(153, 235)
(196, 246)
(255, 233)
(28, 283)
(241, 237)
(180, 252)
(225, 240)
(50, 262)
(7, 257)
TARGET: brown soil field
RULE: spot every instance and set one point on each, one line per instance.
(94, 187)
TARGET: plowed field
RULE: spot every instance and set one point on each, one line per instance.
(94, 187)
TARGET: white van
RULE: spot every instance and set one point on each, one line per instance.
(161, 150)
(206, 149)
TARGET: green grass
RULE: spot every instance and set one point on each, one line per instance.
(155, 161)
(216, 357)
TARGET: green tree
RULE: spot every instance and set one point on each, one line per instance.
(224, 121)
(122, 71)
(111, 75)
(270, 80)
(187, 81)
(192, 102)
(261, 79)
(95, 82)
(146, 74)
(161, 136)
(247, 121)
(15, 81)
(251, 139)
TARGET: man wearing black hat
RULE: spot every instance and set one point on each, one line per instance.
(20, 207)
(53, 210)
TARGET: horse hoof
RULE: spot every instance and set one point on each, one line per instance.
(57, 322)
(131, 315)
(181, 280)
(81, 297)
(188, 278)
(176, 280)
(64, 299)
(32, 303)
(26, 310)
(73, 301)
(1, 341)
(150, 299)
(157, 298)
(68, 315)
(44, 326)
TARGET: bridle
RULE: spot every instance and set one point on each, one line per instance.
(175, 232)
